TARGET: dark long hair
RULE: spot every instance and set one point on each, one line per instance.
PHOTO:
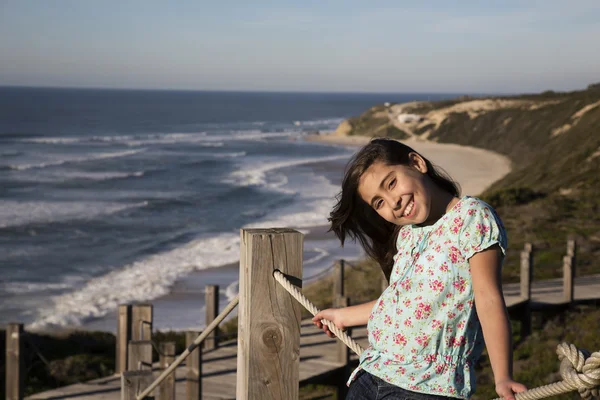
(352, 216)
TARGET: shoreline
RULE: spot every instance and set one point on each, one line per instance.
(486, 166)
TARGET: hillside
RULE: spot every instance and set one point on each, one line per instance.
(553, 141)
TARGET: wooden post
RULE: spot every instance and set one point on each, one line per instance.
(338, 280)
(15, 372)
(212, 310)
(568, 279)
(526, 271)
(139, 355)
(141, 318)
(572, 252)
(268, 358)
(134, 382)
(166, 358)
(123, 336)
(194, 368)
(526, 280)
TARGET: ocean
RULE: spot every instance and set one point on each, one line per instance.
(116, 196)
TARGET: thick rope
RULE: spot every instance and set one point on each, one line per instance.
(293, 290)
(580, 370)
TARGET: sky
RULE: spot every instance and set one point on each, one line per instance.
(327, 46)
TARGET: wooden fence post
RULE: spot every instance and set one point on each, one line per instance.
(343, 354)
(568, 279)
(123, 336)
(194, 368)
(526, 281)
(15, 371)
(211, 297)
(139, 355)
(134, 382)
(526, 271)
(165, 358)
(572, 252)
(338, 280)
(141, 319)
(268, 360)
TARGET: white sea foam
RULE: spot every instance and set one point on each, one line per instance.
(229, 155)
(16, 213)
(331, 122)
(66, 159)
(99, 176)
(232, 290)
(250, 175)
(143, 280)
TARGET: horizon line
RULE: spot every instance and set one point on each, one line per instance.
(248, 90)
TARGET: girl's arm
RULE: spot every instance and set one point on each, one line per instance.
(344, 317)
(492, 313)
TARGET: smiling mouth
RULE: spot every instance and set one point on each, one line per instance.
(409, 209)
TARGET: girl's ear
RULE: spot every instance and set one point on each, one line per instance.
(417, 162)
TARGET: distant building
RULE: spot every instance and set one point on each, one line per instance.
(408, 118)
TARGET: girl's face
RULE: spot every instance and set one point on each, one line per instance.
(398, 193)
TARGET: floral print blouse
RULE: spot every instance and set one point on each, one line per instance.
(424, 334)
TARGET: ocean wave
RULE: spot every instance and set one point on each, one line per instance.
(329, 122)
(99, 176)
(256, 175)
(229, 155)
(72, 160)
(18, 213)
(140, 281)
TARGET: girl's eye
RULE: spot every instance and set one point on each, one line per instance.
(392, 183)
(378, 204)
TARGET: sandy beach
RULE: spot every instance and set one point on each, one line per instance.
(473, 168)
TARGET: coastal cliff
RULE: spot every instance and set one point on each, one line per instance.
(553, 141)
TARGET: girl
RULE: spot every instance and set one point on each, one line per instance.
(442, 256)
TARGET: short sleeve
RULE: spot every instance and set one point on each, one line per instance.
(481, 229)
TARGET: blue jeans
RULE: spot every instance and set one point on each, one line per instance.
(370, 387)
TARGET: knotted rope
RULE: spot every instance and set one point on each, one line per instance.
(579, 370)
(293, 290)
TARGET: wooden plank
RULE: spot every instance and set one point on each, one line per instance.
(139, 355)
(568, 279)
(134, 382)
(338, 280)
(166, 357)
(15, 372)
(269, 317)
(123, 336)
(194, 369)
(141, 318)
(526, 271)
(211, 297)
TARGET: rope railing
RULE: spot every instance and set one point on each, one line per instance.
(211, 327)
(293, 290)
(580, 370)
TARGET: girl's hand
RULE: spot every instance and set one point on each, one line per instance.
(507, 388)
(331, 314)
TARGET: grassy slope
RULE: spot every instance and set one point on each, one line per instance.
(552, 193)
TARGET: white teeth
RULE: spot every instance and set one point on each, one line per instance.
(409, 208)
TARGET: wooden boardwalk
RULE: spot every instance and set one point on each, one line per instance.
(318, 353)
